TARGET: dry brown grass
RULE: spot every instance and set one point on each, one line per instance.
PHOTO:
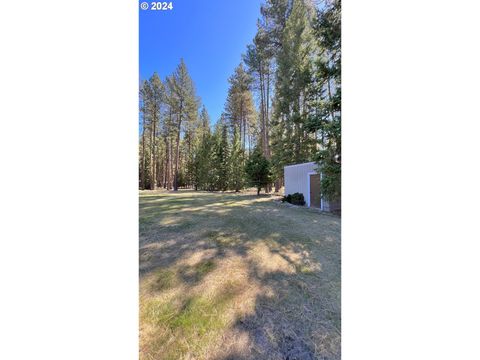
(235, 276)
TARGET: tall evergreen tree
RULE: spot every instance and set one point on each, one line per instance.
(275, 14)
(258, 59)
(325, 120)
(221, 153)
(184, 105)
(157, 98)
(293, 67)
(237, 164)
(152, 95)
(258, 170)
(168, 135)
(203, 154)
(239, 108)
(143, 126)
(290, 141)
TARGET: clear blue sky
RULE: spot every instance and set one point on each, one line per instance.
(209, 35)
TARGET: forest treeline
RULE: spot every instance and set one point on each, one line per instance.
(283, 107)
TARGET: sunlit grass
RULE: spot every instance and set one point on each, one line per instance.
(188, 324)
(213, 262)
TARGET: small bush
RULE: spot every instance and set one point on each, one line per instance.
(298, 199)
(295, 199)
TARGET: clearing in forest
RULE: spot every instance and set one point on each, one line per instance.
(236, 276)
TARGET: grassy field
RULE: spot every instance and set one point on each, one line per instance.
(236, 276)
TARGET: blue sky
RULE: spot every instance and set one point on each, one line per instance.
(209, 35)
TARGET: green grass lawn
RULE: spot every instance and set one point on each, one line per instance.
(236, 276)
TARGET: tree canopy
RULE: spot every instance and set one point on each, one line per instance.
(283, 106)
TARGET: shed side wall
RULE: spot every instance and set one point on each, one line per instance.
(296, 178)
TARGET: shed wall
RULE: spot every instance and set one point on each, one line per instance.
(296, 178)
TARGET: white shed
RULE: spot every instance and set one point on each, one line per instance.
(304, 179)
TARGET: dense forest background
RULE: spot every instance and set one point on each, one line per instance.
(283, 107)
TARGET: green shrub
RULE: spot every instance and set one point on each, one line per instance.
(295, 199)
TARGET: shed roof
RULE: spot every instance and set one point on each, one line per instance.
(302, 164)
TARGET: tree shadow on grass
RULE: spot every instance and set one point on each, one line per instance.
(295, 321)
(296, 315)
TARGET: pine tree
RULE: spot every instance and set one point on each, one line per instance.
(220, 161)
(258, 170)
(293, 67)
(143, 127)
(152, 95)
(259, 58)
(157, 98)
(325, 120)
(168, 135)
(203, 154)
(291, 143)
(184, 105)
(237, 161)
(275, 13)
(239, 108)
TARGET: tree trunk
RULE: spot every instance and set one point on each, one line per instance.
(243, 122)
(266, 91)
(175, 186)
(330, 98)
(177, 151)
(170, 171)
(277, 185)
(267, 120)
(167, 164)
(262, 112)
(143, 154)
(152, 153)
(165, 169)
(158, 181)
